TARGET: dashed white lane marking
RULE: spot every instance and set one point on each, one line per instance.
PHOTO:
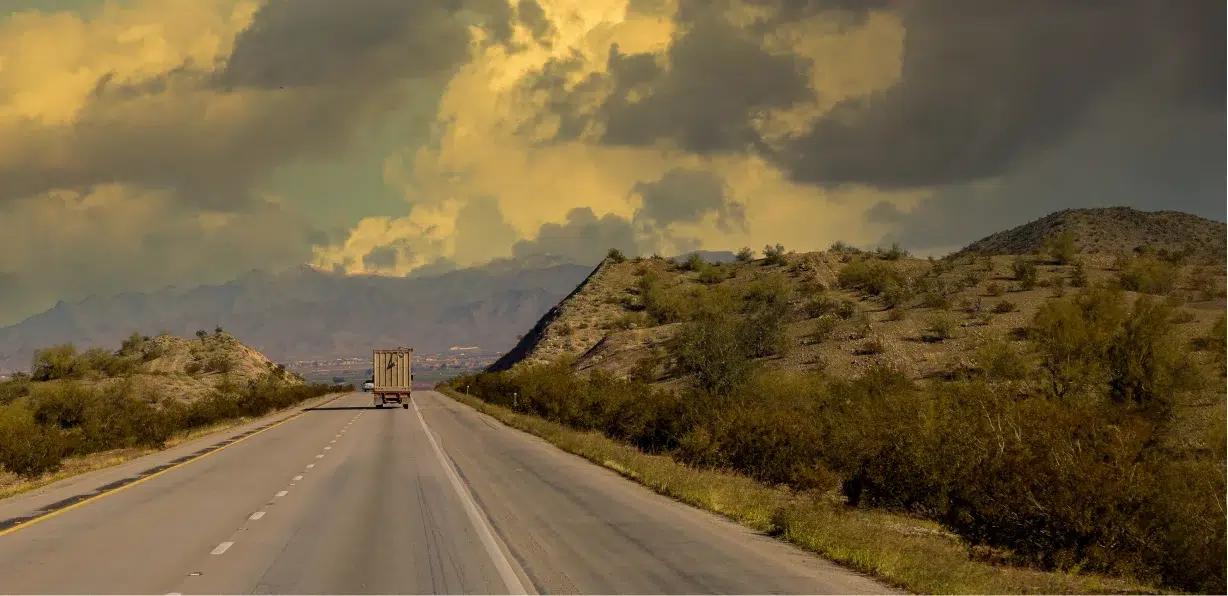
(485, 533)
(299, 477)
(309, 466)
(327, 448)
(332, 441)
(320, 456)
(282, 493)
(221, 548)
(257, 515)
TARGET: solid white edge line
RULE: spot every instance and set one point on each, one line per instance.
(480, 523)
(221, 548)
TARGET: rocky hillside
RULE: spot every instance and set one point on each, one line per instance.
(849, 310)
(162, 366)
(1115, 230)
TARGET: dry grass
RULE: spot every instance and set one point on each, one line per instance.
(903, 551)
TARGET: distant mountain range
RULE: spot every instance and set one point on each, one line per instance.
(306, 313)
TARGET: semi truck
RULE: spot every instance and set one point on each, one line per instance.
(393, 376)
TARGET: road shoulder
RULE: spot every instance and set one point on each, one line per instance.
(92, 483)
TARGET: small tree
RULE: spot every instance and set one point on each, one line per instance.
(217, 330)
(774, 255)
(616, 255)
(201, 333)
(745, 255)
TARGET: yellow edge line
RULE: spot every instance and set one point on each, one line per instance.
(40, 518)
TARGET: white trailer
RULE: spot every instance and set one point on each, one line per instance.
(393, 376)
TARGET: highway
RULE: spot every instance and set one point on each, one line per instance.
(341, 498)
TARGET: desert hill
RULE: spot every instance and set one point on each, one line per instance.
(849, 310)
(161, 366)
(1114, 230)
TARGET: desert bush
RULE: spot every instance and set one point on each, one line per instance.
(57, 362)
(615, 256)
(841, 246)
(1078, 275)
(895, 295)
(893, 253)
(693, 262)
(218, 363)
(1024, 270)
(897, 313)
(936, 299)
(870, 347)
(745, 255)
(14, 388)
(774, 255)
(711, 274)
(938, 327)
(1001, 360)
(1061, 247)
(1149, 276)
(1201, 281)
(870, 276)
(1004, 306)
(663, 305)
(819, 306)
(824, 327)
(771, 290)
(630, 320)
(27, 448)
(994, 290)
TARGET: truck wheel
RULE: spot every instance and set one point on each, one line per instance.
(405, 405)
(379, 405)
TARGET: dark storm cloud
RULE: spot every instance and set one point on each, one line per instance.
(531, 15)
(986, 83)
(584, 237)
(686, 196)
(717, 79)
(299, 43)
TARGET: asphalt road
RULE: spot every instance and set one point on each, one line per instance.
(346, 499)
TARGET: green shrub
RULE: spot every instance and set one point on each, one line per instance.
(824, 327)
(938, 327)
(1004, 306)
(1061, 247)
(711, 274)
(1149, 276)
(693, 262)
(745, 255)
(870, 276)
(819, 306)
(1024, 270)
(993, 289)
(615, 256)
(57, 362)
(774, 255)
(27, 448)
(894, 253)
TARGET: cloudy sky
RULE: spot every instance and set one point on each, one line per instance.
(146, 143)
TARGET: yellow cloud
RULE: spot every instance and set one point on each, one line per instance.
(483, 151)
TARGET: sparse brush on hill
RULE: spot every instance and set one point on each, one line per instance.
(75, 403)
(1061, 450)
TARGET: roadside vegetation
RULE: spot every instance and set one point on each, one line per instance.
(1065, 443)
(76, 404)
